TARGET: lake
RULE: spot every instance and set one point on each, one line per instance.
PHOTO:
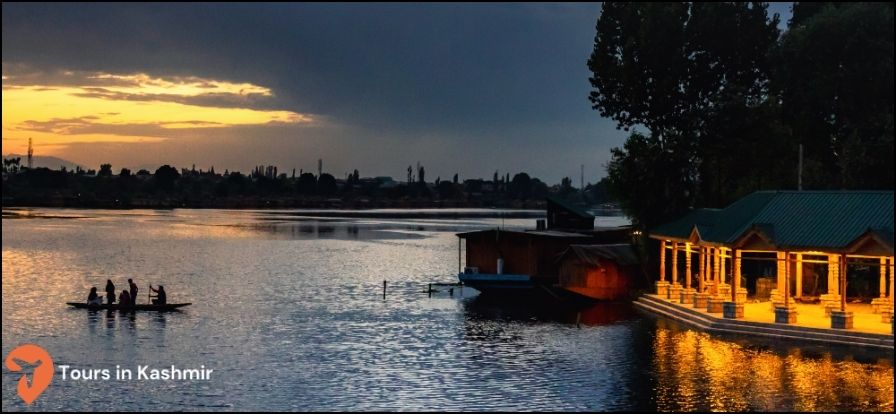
(288, 311)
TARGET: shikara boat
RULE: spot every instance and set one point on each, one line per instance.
(144, 307)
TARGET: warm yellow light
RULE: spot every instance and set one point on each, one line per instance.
(812, 252)
(131, 108)
(190, 86)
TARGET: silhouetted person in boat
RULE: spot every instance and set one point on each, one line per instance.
(110, 291)
(93, 298)
(133, 292)
(124, 300)
(161, 297)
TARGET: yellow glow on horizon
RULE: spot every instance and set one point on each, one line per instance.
(128, 108)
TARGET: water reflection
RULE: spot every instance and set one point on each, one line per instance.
(130, 320)
(158, 321)
(93, 318)
(295, 318)
(695, 371)
(527, 308)
(110, 321)
(605, 314)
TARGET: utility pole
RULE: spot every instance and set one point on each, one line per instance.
(320, 167)
(799, 179)
(582, 180)
(30, 153)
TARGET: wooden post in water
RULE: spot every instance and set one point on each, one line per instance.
(384, 290)
(578, 318)
(458, 254)
(429, 289)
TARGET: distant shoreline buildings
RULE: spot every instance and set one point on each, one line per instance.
(267, 187)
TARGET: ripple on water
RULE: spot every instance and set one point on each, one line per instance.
(291, 317)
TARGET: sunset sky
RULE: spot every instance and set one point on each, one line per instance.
(462, 89)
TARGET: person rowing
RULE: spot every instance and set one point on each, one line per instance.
(161, 297)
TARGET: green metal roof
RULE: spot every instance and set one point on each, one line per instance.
(810, 219)
(703, 218)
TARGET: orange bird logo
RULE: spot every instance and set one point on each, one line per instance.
(43, 372)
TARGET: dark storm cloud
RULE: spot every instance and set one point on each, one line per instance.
(414, 65)
(480, 81)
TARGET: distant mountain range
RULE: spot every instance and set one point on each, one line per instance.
(53, 163)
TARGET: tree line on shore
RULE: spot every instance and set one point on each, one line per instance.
(191, 187)
(719, 101)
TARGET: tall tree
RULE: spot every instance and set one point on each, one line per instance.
(165, 176)
(105, 170)
(307, 184)
(835, 79)
(326, 185)
(682, 71)
(638, 178)
(521, 186)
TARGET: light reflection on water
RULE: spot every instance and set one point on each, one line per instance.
(290, 315)
(696, 371)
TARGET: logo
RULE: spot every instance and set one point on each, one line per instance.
(38, 357)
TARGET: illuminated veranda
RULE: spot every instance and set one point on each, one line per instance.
(704, 254)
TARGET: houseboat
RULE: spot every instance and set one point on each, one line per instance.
(826, 255)
(598, 271)
(525, 262)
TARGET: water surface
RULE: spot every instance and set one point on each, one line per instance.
(288, 311)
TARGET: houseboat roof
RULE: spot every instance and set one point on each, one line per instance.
(569, 207)
(540, 233)
(593, 254)
(596, 232)
(792, 219)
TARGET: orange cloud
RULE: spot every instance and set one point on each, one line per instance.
(102, 107)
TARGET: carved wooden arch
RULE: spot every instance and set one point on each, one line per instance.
(694, 237)
(754, 239)
(870, 243)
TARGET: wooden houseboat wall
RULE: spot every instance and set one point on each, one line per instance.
(601, 272)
